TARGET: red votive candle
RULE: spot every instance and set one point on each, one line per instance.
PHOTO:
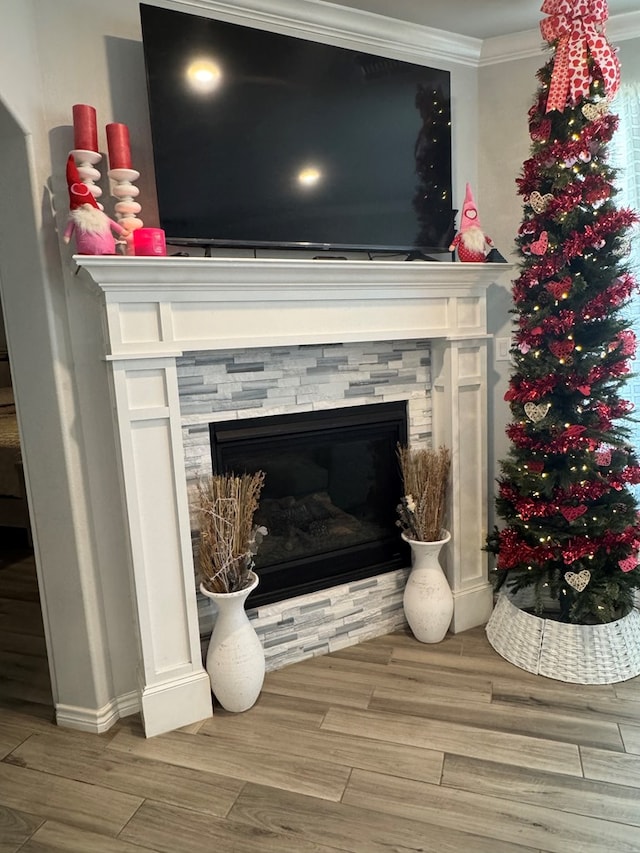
(119, 146)
(149, 241)
(85, 129)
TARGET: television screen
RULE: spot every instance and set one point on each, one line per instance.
(261, 139)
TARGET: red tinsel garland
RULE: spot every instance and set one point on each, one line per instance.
(592, 189)
(514, 550)
(572, 438)
(612, 371)
(560, 323)
(563, 500)
(610, 223)
(613, 297)
(630, 475)
(543, 269)
(530, 390)
(576, 245)
(588, 491)
(594, 136)
(628, 342)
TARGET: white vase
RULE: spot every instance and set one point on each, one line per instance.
(235, 657)
(428, 600)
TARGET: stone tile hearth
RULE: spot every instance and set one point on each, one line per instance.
(236, 384)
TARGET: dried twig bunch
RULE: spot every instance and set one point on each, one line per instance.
(425, 474)
(228, 537)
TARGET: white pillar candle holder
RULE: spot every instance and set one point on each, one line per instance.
(85, 162)
(126, 207)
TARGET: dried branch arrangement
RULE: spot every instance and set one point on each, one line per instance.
(228, 536)
(425, 474)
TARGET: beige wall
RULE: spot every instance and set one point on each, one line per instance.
(507, 93)
(53, 55)
(35, 313)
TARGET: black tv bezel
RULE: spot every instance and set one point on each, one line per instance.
(413, 251)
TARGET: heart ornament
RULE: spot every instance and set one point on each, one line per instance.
(595, 111)
(578, 580)
(559, 289)
(603, 456)
(540, 202)
(562, 349)
(628, 565)
(536, 412)
(540, 246)
(571, 513)
(542, 131)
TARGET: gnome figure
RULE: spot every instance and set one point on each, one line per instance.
(472, 243)
(92, 228)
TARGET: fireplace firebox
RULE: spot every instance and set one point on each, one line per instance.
(329, 500)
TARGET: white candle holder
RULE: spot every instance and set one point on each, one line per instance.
(85, 162)
(126, 207)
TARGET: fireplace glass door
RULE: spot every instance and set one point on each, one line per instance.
(329, 500)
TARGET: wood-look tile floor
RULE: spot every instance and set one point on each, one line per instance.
(390, 746)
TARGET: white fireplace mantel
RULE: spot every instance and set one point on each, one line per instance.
(161, 305)
(155, 309)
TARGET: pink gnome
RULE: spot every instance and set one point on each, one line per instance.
(472, 243)
(92, 227)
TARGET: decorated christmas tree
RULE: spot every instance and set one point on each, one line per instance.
(570, 525)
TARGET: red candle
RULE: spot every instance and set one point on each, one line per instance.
(119, 147)
(85, 129)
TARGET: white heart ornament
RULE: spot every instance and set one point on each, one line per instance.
(592, 112)
(540, 202)
(536, 412)
(578, 581)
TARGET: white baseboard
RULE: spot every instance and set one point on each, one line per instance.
(472, 607)
(164, 707)
(177, 703)
(100, 720)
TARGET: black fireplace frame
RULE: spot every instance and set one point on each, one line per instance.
(333, 567)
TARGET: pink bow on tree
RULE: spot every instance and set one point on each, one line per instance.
(578, 26)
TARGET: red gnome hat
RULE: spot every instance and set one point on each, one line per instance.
(79, 193)
(469, 211)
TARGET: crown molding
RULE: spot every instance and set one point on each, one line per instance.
(319, 20)
(511, 47)
(624, 27)
(352, 28)
(530, 43)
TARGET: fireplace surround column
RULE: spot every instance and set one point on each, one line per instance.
(174, 688)
(459, 399)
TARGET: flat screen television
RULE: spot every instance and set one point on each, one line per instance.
(267, 140)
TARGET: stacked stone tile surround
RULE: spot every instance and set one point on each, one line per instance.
(232, 384)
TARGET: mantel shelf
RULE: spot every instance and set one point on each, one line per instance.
(114, 272)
